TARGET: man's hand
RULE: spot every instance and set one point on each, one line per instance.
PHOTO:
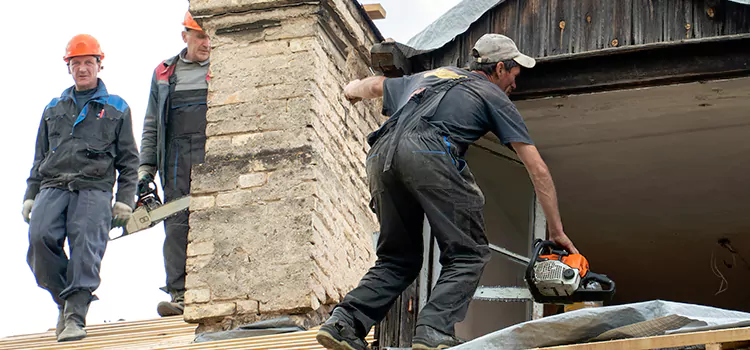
(349, 90)
(357, 90)
(120, 214)
(145, 177)
(26, 211)
(562, 240)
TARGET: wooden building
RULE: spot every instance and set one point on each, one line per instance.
(641, 108)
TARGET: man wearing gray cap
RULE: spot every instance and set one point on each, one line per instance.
(415, 167)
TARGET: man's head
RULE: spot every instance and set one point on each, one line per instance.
(84, 58)
(198, 42)
(497, 56)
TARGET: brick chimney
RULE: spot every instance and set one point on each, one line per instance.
(280, 221)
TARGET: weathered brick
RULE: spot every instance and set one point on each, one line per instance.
(196, 262)
(193, 281)
(194, 296)
(200, 248)
(247, 307)
(274, 115)
(201, 202)
(253, 180)
(227, 158)
(198, 312)
(272, 9)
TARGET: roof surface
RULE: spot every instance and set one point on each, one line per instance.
(169, 333)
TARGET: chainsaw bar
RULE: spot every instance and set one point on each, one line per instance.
(142, 218)
(503, 294)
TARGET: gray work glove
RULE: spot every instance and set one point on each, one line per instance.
(27, 205)
(120, 214)
(145, 177)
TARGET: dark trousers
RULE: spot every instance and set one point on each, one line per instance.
(177, 184)
(85, 218)
(426, 178)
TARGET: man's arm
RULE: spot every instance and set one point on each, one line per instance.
(370, 87)
(148, 139)
(42, 144)
(126, 161)
(545, 191)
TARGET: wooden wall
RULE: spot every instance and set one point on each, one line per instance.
(543, 28)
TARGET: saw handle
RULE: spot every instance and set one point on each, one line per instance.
(603, 281)
(581, 294)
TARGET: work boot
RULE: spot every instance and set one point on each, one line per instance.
(60, 319)
(428, 338)
(339, 333)
(76, 308)
(173, 308)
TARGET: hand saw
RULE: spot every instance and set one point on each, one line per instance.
(150, 211)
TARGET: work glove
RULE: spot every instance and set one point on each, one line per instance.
(27, 205)
(145, 177)
(120, 214)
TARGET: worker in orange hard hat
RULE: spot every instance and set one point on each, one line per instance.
(174, 138)
(84, 144)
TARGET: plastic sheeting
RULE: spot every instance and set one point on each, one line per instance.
(267, 327)
(611, 322)
(454, 22)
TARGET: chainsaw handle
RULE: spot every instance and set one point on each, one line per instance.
(602, 279)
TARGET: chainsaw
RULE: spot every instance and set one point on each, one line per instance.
(149, 211)
(553, 276)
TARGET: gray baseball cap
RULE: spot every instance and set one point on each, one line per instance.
(491, 48)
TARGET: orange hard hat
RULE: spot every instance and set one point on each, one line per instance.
(190, 23)
(83, 45)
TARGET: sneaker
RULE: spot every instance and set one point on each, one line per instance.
(428, 338)
(338, 334)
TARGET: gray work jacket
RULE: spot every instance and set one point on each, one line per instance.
(82, 151)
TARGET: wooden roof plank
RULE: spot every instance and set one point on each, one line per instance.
(665, 341)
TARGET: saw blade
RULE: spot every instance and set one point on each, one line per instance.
(503, 294)
(169, 209)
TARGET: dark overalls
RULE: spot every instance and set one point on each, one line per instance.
(185, 146)
(414, 169)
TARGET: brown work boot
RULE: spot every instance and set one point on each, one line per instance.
(173, 308)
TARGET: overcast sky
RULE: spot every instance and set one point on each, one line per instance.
(135, 36)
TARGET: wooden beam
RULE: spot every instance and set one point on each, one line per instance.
(665, 341)
(375, 11)
(636, 66)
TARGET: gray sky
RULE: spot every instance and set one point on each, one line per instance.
(135, 36)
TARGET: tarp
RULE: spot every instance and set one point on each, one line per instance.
(612, 322)
(277, 325)
(451, 24)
